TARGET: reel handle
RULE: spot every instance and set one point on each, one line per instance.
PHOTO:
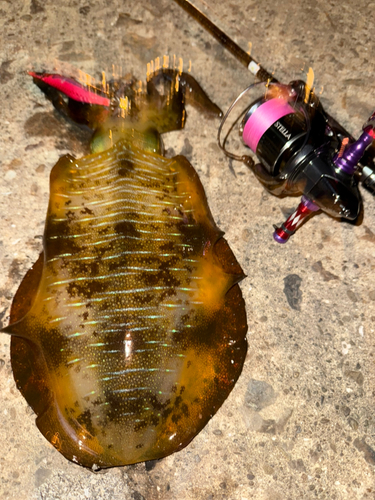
(304, 209)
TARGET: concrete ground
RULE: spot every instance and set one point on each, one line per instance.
(300, 421)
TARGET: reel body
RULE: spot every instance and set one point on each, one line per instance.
(303, 151)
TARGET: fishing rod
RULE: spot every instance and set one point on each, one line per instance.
(302, 149)
(251, 64)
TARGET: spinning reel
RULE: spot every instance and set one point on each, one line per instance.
(301, 148)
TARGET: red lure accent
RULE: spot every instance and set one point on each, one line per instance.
(71, 88)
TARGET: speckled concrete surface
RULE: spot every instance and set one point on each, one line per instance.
(300, 422)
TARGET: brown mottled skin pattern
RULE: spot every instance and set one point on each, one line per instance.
(130, 330)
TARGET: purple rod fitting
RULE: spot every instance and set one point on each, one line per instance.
(353, 153)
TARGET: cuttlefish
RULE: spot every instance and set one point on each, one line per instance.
(129, 332)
